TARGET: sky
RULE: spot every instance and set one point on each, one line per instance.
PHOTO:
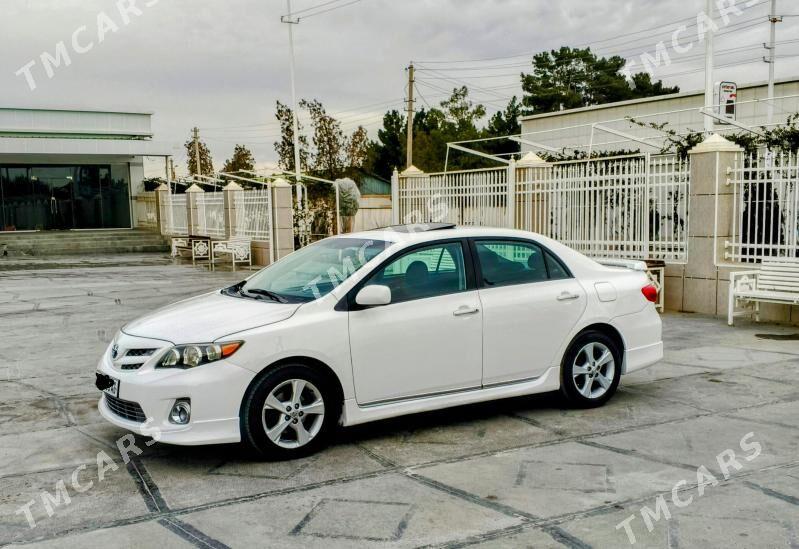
(222, 64)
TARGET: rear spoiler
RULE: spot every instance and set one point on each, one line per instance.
(624, 263)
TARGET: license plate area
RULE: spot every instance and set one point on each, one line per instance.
(107, 384)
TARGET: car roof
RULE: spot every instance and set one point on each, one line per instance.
(406, 233)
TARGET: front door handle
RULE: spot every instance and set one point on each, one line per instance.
(462, 311)
(567, 296)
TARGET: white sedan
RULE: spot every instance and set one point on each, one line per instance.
(371, 325)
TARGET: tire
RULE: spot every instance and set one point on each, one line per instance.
(588, 383)
(297, 429)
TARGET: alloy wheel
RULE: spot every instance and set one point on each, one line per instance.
(293, 413)
(593, 370)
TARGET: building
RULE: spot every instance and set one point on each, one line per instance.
(72, 169)
(606, 127)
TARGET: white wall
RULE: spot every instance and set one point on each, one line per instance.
(573, 128)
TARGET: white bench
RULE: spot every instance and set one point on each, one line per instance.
(198, 246)
(237, 251)
(777, 281)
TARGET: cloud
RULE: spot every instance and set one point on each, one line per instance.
(217, 63)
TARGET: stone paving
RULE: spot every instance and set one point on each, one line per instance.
(517, 473)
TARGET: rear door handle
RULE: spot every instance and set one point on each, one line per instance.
(566, 296)
(462, 311)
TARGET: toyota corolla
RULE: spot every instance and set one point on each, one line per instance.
(372, 325)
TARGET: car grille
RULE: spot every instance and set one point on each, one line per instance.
(125, 409)
(144, 354)
(139, 352)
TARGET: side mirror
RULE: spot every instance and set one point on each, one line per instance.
(371, 296)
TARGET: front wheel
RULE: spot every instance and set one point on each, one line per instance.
(289, 412)
(591, 370)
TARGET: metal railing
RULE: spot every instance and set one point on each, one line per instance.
(765, 190)
(253, 214)
(625, 207)
(211, 214)
(145, 210)
(174, 215)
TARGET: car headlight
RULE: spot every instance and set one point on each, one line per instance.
(197, 354)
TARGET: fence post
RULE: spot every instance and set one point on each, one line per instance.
(704, 285)
(161, 204)
(395, 197)
(535, 170)
(511, 197)
(192, 213)
(229, 194)
(647, 229)
(282, 217)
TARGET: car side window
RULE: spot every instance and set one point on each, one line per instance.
(505, 262)
(424, 272)
(555, 268)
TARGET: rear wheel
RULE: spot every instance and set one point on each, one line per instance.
(591, 370)
(290, 412)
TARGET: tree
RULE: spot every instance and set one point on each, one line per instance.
(206, 162)
(503, 123)
(357, 148)
(569, 78)
(388, 152)
(285, 147)
(242, 160)
(327, 160)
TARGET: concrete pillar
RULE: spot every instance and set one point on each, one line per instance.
(420, 212)
(532, 211)
(282, 218)
(704, 283)
(395, 197)
(192, 215)
(229, 193)
(510, 200)
(161, 202)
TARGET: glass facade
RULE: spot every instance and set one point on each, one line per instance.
(52, 197)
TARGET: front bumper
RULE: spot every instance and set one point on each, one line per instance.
(215, 390)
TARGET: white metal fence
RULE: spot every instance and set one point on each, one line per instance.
(474, 197)
(766, 207)
(632, 207)
(211, 214)
(253, 214)
(174, 215)
(144, 208)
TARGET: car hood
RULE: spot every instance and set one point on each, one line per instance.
(208, 317)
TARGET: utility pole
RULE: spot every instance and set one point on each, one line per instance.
(196, 133)
(295, 121)
(172, 170)
(709, 67)
(409, 151)
(772, 57)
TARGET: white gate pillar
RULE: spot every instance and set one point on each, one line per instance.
(511, 197)
(229, 193)
(192, 213)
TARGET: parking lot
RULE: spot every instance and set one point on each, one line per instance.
(518, 473)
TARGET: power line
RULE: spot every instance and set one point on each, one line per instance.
(314, 14)
(594, 42)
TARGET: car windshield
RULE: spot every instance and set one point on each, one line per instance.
(313, 271)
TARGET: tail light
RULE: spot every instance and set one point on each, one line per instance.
(650, 293)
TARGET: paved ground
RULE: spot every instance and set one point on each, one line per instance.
(523, 472)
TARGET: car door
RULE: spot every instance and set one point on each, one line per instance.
(530, 304)
(428, 340)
